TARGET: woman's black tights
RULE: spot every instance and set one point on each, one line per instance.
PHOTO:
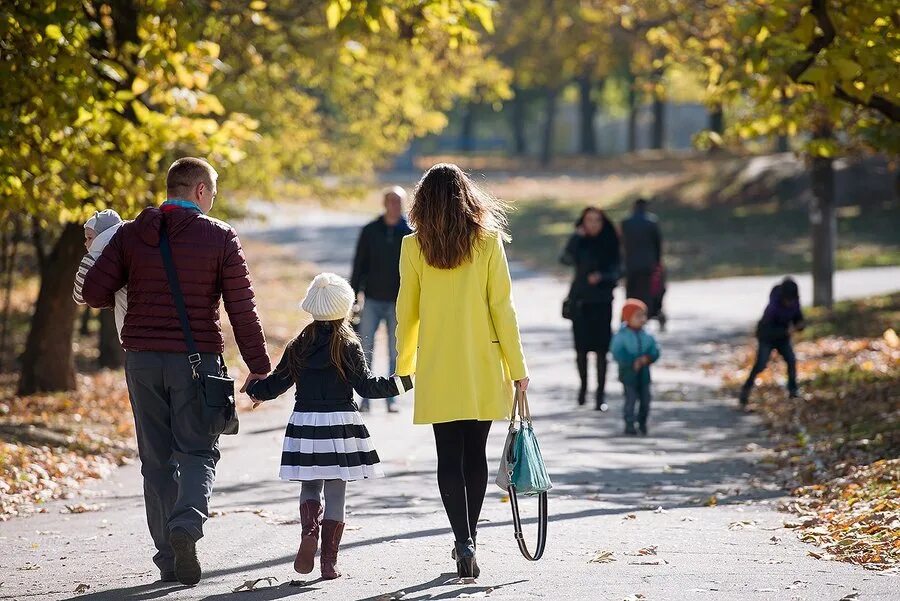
(462, 472)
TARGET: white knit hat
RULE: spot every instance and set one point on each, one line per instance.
(328, 298)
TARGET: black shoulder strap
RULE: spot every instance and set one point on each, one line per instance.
(175, 287)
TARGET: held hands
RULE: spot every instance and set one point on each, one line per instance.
(640, 362)
(594, 278)
(522, 385)
(250, 379)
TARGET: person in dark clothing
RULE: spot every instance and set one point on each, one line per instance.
(781, 317)
(594, 253)
(644, 276)
(376, 275)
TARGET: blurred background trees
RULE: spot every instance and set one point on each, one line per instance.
(99, 97)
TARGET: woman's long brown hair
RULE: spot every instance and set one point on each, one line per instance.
(451, 215)
(342, 339)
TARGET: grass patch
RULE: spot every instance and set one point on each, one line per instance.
(716, 240)
(863, 318)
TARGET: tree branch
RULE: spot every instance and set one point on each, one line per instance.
(819, 10)
(819, 43)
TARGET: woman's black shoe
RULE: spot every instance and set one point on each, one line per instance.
(465, 559)
(582, 397)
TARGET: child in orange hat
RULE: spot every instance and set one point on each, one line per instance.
(634, 349)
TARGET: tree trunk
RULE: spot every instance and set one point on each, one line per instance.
(823, 226)
(632, 113)
(717, 119)
(658, 133)
(47, 363)
(111, 354)
(84, 328)
(466, 134)
(587, 111)
(551, 97)
(782, 144)
(11, 237)
(518, 118)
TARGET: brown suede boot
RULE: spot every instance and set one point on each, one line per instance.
(331, 541)
(310, 518)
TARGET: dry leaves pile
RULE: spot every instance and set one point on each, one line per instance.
(837, 446)
(53, 442)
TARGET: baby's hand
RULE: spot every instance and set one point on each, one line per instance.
(255, 403)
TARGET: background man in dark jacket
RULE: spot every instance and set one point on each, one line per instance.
(176, 442)
(376, 274)
(643, 259)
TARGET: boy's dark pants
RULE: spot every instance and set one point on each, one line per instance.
(178, 454)
(637, 393)
(786, 350)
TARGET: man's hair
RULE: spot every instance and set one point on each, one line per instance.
(641, 203)
(186, 173)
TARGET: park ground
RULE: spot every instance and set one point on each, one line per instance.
(691, 512)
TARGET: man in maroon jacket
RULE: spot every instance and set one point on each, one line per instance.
(176, 443)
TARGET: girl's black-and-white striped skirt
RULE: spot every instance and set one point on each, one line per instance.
(328, 445)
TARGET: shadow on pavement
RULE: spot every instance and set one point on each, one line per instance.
(446, 579)
(143, 592)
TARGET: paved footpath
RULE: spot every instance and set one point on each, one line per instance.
(613, 496)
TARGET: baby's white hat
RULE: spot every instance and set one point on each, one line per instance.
(328, 298)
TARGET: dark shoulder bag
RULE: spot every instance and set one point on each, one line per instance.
(215, 391)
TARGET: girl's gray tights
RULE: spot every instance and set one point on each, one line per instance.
(335, 493)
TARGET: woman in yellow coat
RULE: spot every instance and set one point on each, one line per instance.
(457, 332)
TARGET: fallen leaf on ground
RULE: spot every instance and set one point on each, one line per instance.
(81, 508)
(250, 585)
(634, 597)
(651, 550)
(82, 588)
(604, 556)
(851, 597)
(30, 566)
(742, 525)
(629, 516)
(712, 501)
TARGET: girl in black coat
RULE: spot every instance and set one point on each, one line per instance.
(594, 253)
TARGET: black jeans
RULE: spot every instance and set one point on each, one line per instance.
(784, 348)
(178, 453)
(462, 472)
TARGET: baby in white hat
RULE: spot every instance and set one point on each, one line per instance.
(326, 443)
(98, 231)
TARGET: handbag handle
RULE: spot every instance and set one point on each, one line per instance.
(520, 408)
(517, 525)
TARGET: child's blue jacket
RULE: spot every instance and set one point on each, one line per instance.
(627, 345)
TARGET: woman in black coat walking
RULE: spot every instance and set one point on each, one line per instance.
(593, 250)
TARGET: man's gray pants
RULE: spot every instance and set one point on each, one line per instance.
(178, 454)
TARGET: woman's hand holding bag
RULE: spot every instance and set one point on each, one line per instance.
(522, 470)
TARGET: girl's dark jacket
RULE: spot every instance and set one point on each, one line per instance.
(320, 386)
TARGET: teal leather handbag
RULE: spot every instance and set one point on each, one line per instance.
(522, 470)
